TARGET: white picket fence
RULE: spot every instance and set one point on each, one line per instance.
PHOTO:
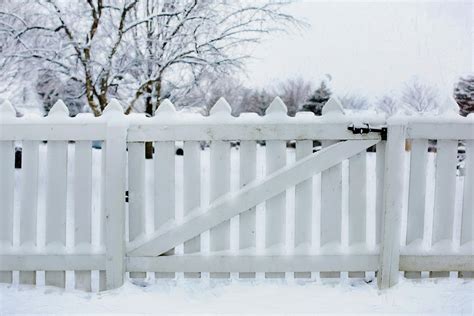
(235, 208)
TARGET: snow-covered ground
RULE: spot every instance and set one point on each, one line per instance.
(442, 296)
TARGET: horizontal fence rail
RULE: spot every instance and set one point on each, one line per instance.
(187, 196)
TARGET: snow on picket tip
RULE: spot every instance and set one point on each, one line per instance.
(165, 108)
(221, 107)
(6, 109)
(276, 107)
(113, 107)
(333, 106)
(59, 109)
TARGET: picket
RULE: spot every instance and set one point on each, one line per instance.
(467, 218)
(248, 219)
(83, 207)
(331, 195)
(391, 223)
(445, 190)
(164, 203)
(164, 176)
(467, 228)
(275, 207)
(114, 191)
(192, 192)
(29, 203)
(379, 181)
(357, 202)
(416, 195)
(7, 185)
(56, 205)
(219, 237)
(136, 194)
(417, 190)
(303, 206)
(7, 188)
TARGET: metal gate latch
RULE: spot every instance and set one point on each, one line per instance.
(365, 128)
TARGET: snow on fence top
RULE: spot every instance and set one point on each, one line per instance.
(169, 124)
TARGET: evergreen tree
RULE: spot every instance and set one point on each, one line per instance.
(317, 100)
(464, 95)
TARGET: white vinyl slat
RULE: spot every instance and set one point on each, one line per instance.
(115, 187)
(83, 207)
(136, 194)
(303, 205)
(247, 220)
(103, 162)
(164, 209)
(7, 185)
(357, 202)
(379, 181)
(416, 195)
(303, 200)
(192, 192)
(445, 190)
(56, 193)
(29, 202)
(331, 207)
(275, 207)
(389, 264)
(357, 198)
(417, 190)
(219, 236)
(467, 219)
(467, 226)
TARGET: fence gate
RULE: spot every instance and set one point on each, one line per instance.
(147, 255)
(221, 238)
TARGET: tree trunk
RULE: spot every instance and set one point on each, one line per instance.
(103, 93)
(150, 109)
(90, 97)
(149, 101)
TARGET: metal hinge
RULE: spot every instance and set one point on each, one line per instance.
(366, 128)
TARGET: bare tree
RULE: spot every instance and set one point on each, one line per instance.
(294, 92)
(419, 97)
(137, 50)
(210, 88)
(354, 102)
(387, 104)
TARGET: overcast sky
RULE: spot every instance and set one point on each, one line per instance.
(370, 47)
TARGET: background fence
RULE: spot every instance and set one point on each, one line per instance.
(82, 205)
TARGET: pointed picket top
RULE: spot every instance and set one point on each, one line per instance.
(276, 107)
(221, 107)
(113, 107)
(333, 106)
(6, 109)
(59, 109)
(165, 108)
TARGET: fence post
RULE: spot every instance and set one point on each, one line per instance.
(388, 272)
(115, 186)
